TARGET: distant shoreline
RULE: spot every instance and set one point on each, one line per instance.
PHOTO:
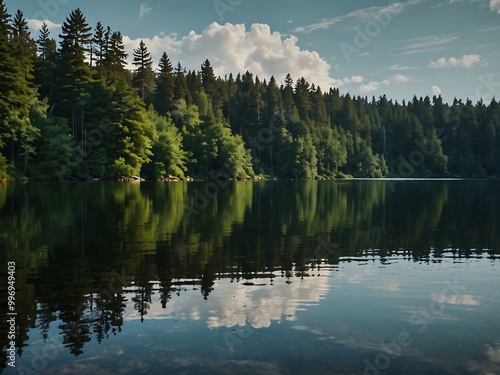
(256, 179)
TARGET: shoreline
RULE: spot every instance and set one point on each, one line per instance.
(135, 179)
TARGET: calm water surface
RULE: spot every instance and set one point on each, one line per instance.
(342, 277)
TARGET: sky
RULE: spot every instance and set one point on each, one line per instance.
(364, 47)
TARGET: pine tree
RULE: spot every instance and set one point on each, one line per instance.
(116, 57)
(17, 91)
(23, 46)
(11, 89)
(181, 91)
(164, 94)
(74, 76)
(287, 94)
(100, 46)
(197, 93)
(45, 63)
(144, 77)
(302, 100)
(209, 84)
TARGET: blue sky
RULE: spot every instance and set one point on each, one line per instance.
(398, 48)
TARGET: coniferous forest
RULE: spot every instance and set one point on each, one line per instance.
(72, 109)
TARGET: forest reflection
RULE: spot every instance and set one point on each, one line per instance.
(85, 253)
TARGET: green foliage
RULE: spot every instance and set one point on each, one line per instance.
(58, 155)
(74, 110)
(169, 157)
(3, 167)
(17, 92)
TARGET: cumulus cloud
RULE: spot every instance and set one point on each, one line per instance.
(465, 299)
(495, 6)
(466, 61)
(400, 78)
(353, 79)
(436, 90)
(36, 25)
(375, 85)
(233, 49)
(145, 9)
(369, 87)
(232, 304)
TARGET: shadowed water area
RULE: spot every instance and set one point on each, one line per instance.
(325, 277)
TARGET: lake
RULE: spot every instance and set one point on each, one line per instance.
(324, 277)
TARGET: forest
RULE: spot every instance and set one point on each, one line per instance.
(70, 109)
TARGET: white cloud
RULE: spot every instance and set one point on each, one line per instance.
(377, 12)
(436, 90)
(401, 68)
(232, 49)
(494, 354)
(426, 44)
(463, 299)
(375, 85)
(399, 78)
(236, 304)
(145, 9)
(495, 6)
(36, 25)
(369, 87)
(466, 61)
(354, 79)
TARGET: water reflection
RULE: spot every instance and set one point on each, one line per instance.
(256, 303)
(92, 258)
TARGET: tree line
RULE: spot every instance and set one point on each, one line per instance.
(72, 109)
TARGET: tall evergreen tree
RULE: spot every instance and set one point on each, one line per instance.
(302, 99)
(24, 47)
(74, 76)
(181, 91)
(100, 46)
(288, 96)
(17, 91)
(45, 63)
(144, 77)
(164, 94)
(116, 57)
(11, 89)
(210, 84)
